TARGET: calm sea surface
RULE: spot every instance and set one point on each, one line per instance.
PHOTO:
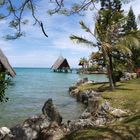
(33, 86)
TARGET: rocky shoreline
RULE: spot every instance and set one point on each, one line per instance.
(98, 111)
(49, 125)
(46, 126)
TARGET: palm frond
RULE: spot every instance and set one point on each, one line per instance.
(87, 29)
(81, 40)
(83, 26)
(122, 49)
(130, 41)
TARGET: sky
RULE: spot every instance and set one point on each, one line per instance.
(35, 50)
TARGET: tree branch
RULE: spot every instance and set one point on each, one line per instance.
(36, 20)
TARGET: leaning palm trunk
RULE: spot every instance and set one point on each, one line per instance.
(111, 83)
(108, 61)
(110, 73)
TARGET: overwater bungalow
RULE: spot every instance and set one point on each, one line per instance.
(5, 67)
(61, 65)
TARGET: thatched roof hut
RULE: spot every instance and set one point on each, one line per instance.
(61, 65)
(5, 65)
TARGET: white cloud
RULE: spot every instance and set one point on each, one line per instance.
(37, 50)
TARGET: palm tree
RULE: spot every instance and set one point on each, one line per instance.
(110, 38)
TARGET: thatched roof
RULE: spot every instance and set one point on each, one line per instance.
(61, 63)
(5, 63)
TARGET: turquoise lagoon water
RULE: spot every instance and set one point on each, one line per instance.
(33, 86)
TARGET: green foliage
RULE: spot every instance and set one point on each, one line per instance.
(131, 24)
(83, 62)
(93, 68)
(108, 32)
(83, 26)
(82, 40)
(112, 39)
(136, 57)
(131, 27)
(4, 82)
(117, 75)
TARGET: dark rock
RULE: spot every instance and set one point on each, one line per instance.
(93, 105)
(72, 88)
(82, 81)
(50, 110)
(83, 97)
(85, 79)
(19, 133)
(74, 92)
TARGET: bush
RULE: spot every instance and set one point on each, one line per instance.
(117, 75)
(93, 68)
(4, 82)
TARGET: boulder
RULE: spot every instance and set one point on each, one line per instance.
(105, 107)
(80, 124)
(85, 114)
(128, 76)
(93, 105)
(72, 88)
(30, 128)
(19, 132)
(133, 75)
(100, 121)
(85, 79)
(90, 82)
(5, 134)
(74, 92)
(82, 81)
(50, 110)
(118, 113)
(83, 97)
(52, 132)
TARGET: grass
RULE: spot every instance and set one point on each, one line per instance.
(125, 96)
(100, 87)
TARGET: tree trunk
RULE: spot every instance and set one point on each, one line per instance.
(109, 66)
(110, 72)
(110, 77)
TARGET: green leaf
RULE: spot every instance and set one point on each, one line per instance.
(83, 26)
(81, 40)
